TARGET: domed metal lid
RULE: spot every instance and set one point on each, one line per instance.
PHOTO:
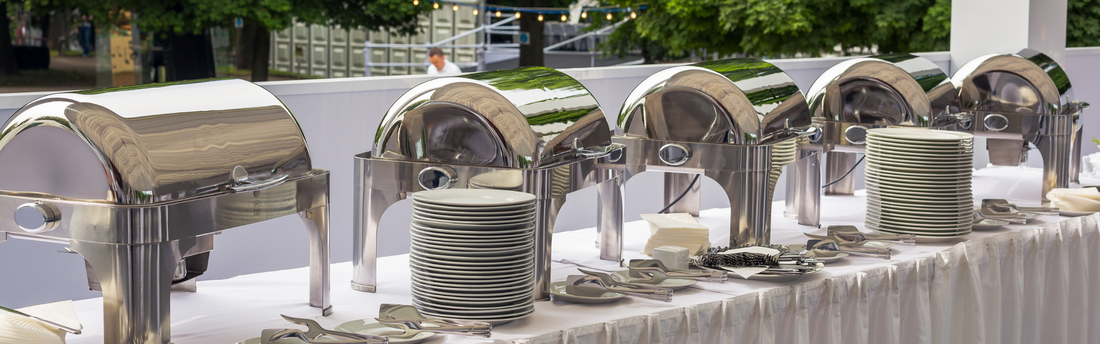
(1025, 82)
(520, 118)
(875, 91)
(736, 101)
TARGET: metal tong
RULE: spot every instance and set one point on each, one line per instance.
(639, 268)
(996, 206)
(856, 250)
(851, 234)
(314, 332)
(604, 280)
(407, 317)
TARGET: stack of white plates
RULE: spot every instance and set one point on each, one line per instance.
(782, 155)
(472, 254)
(918, 182)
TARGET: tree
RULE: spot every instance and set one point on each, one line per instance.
(790, 27)
(1083, 23)
(7, 54)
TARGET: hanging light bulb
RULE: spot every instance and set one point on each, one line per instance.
(609, 16)
(584, 14)
(633, 15)
(475, 11)
(517, 15)
(454, 8)
(498, 14)
(416, 2)
(540, 17)
(435, 5)
(564, 18)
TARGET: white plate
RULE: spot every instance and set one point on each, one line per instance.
(467, 297)
(927, 220)
(917, 175)
(893, 153)
(673, 283)
(499, 270)
(503, 208)
(515, 300)
(476, 219)
(892, 197)
(475, 278)
(946, 145)
(493, 233)
(1068, 213)
(914, 151)
(892, 161)
(372, 327)
(922, 171)
(506, 212)
(472, 296)
(955, 148)
(960, 230)
(918, 216)
(484, 225)
(557, 291)
(495, 320)
(919, 134)
(931, 227)
(913, 205)
(471, 241)
(472, 287)
(914, 190)
(474, 309)
(444, 259)
(988, 224)
(906, 195)
(474, 197)
(456, 250)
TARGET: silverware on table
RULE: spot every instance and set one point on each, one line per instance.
(405, 317)
(851, 234)
(314, 334)
(856, 250)
(996, 206)
(604, 280)
(641, 267)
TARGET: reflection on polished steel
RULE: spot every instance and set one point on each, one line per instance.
(847, 100)
(534, 130)
(138, 179)
(1022, 98)
(719, 119)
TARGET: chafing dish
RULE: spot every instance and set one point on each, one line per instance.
(534, 130)
(1022, 98)
(718, 119)
(138, 179)
(898, 90)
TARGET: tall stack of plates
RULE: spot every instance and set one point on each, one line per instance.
(472, 254)
(918, 182)
(782, 155)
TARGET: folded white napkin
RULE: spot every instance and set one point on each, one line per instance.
(678, 229)
(19, 329)
(1083, 200)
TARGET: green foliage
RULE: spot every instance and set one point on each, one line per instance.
(1083, 23)
(789, 27)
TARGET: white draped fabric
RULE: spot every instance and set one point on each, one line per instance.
(1019, 284)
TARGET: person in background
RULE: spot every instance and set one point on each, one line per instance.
(439, 63)
(85, 34)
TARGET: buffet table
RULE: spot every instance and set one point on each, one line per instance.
(1017, 284)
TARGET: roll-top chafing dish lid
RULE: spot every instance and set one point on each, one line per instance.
(1028, 82)
(151, 143)
(873, 91)
(520, 118)
(736, 101)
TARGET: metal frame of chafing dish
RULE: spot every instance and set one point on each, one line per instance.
(387, 175)
(928, 97)
(742, 168)
(1054, 127)
(147, 227)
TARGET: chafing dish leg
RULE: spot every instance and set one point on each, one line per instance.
(610, 218)
(373, 203)
(750, 205)
(804, 189)
(316, 221)
(1055, 152)
(676, 184)
(836, 165)
(135, 280)
(1075, 155)
(546, 213)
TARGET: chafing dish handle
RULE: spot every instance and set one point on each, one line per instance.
(600, 152)
(258, 186)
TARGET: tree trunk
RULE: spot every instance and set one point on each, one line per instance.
(7, 54)
(531, 54)
(261, 52)
(245, 41)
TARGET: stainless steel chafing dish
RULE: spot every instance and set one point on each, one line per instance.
(534, 130)
(138, 179)
(1022, 98)
(719, 119)
(898, 90)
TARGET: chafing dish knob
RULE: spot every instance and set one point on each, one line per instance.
(436, 177)
(37, 217)
(996, 122)
(673, 154)
(856, 134)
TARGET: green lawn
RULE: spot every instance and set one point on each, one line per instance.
(48, 77)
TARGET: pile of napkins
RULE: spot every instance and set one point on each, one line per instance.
(678, 229)
(18, 329)
(1082, 200)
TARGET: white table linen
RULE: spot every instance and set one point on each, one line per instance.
(1018, 284)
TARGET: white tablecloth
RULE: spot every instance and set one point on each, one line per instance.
(1018, 284)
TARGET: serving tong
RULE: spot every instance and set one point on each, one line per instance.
(852, 249)
(314, 332)
(643, 268)
(607, 282)
(848, 234)
(408, 319)
(1001, 209)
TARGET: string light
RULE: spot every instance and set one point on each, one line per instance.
(584, 14)
(498, 14)
(454, 8)
(517, 15)
(475, 11)
(540, 17)
(633, 15)
(609, 16)
(564, 18)
(435, 5)
(416, 2)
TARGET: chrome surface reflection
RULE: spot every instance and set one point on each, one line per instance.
(137, 179)
(1021, 99)
(724, 119)
(534, 130)
(848, 99)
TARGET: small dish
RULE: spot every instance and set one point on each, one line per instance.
(372, 327)
(583, 294)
